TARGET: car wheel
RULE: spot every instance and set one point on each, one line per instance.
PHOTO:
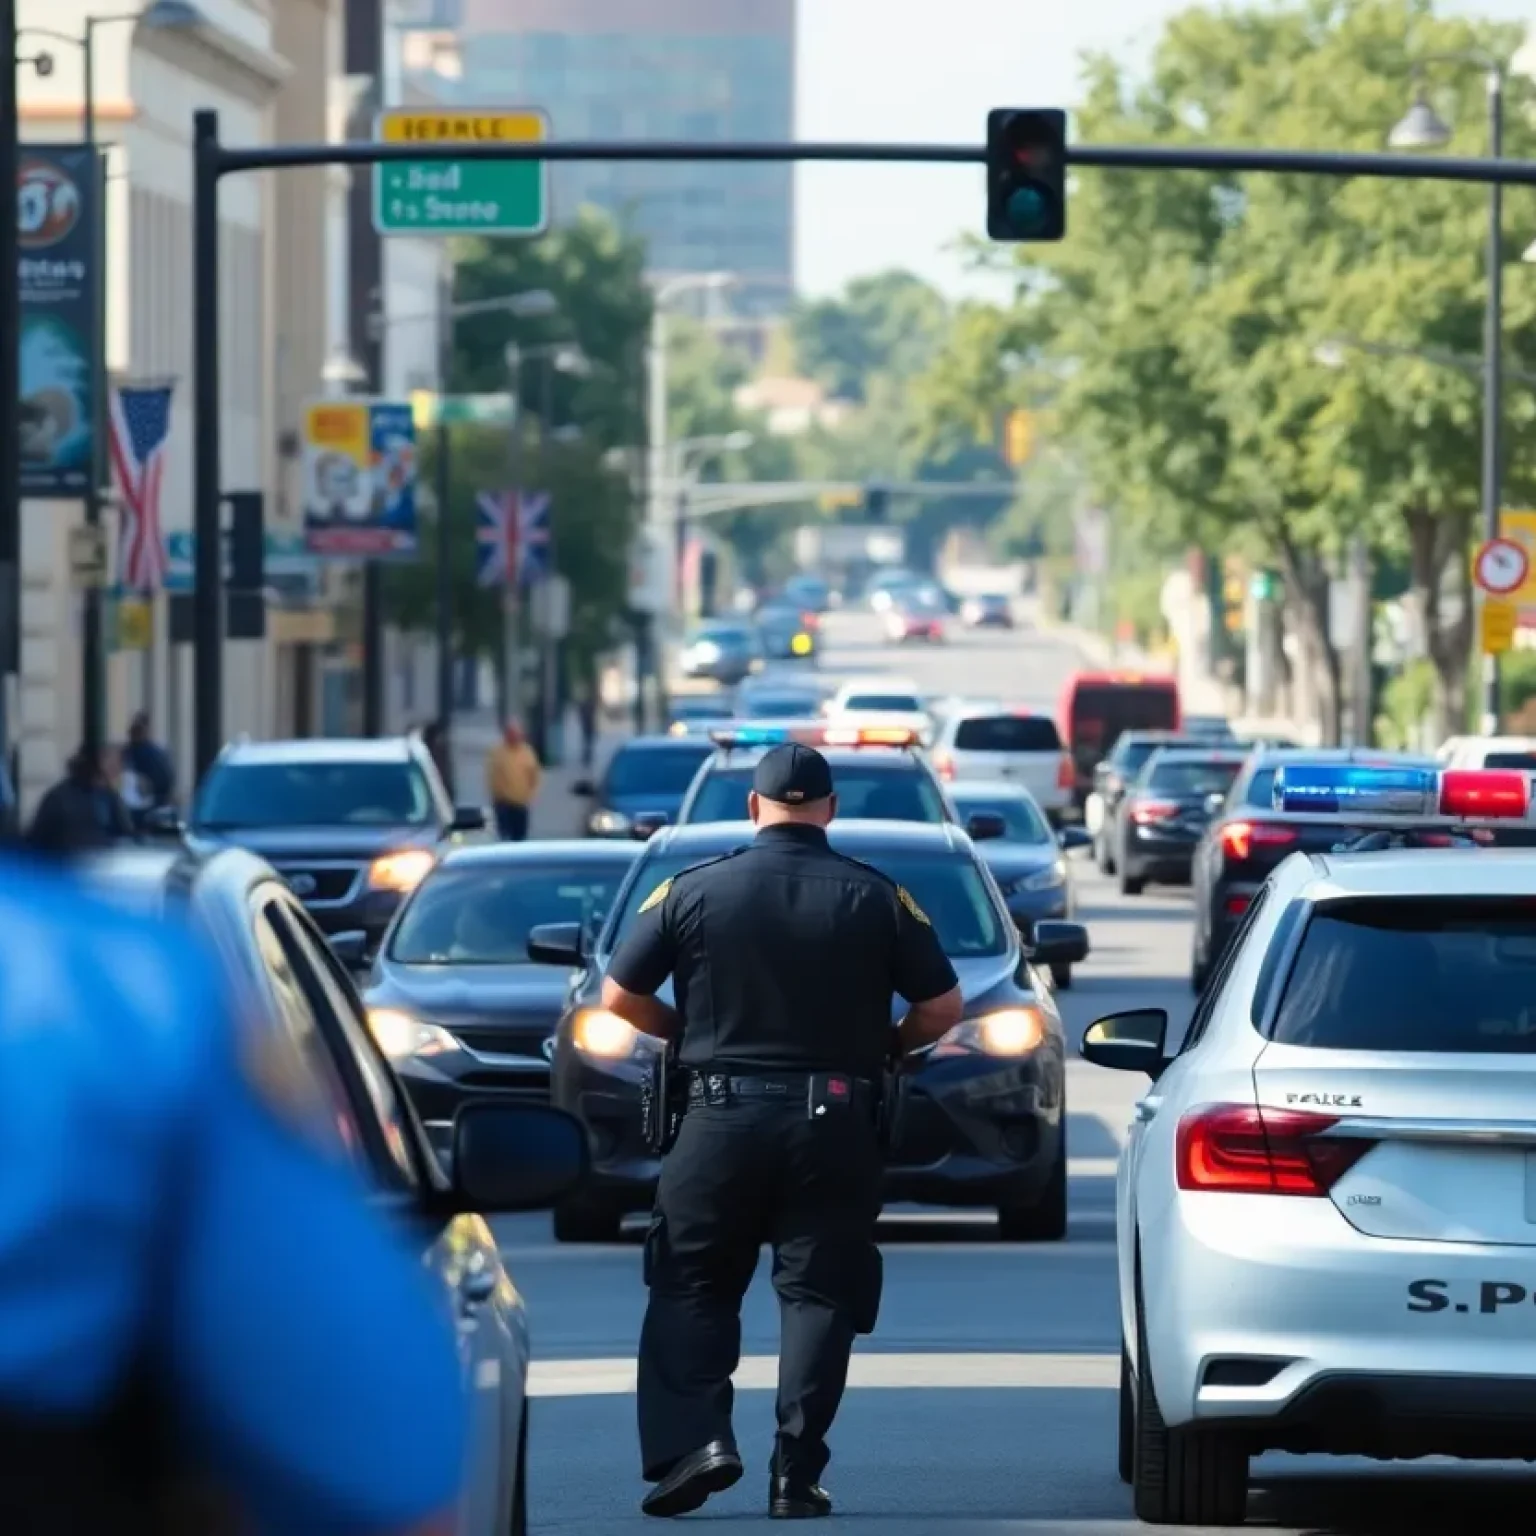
(1061, 976)
(1131, 885)
(1046, 1220)
(1127, 1442)
(583, 1221)
(1199, 966)
(519, 1526)
(1191, 1475)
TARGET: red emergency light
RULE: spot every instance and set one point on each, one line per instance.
(1485, 794)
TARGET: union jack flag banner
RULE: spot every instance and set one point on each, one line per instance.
(496, 527)
(535, 547)
(139, 427)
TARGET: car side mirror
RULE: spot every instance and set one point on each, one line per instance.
(646, 824)
(516, 1157)
(164, 821)
(584, 788)
(1128, 1042)
(351, 948)
(467, 818)
(556, 944)
(985, 824)
(1074, 837)
(1055, 943)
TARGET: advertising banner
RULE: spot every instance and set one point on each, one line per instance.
(360, 479)
(57, 212)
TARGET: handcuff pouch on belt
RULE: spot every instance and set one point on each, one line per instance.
(894, 1086)
(663, 1099)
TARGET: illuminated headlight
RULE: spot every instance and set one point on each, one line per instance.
(1051, 879)
(706, 650)
(608, 824)
(1008, 1032)
(801, 645)
(597, 1032)
(400, 1036)
(402, 871)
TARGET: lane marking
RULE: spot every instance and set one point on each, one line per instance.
(896, 1372)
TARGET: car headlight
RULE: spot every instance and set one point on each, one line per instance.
(1008, 1032)
(402, 871)
(608, 823)
(1051, 879)
(597, 1032)
(801, 645)
(400, 1036)
(706, 650)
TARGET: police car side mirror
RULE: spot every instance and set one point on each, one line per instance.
(556, 944)
(516, 1157)
(351, 948)
(1054, 943)
(1127, 1042)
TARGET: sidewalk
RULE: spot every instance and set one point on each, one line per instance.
(557, 812)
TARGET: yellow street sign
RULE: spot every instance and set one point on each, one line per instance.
(135, 624)
(1521, 528)
(836, 501)
(1019, 440)
(1496, 625)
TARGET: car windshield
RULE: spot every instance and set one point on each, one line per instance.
(1191, 778)
(725, 634)
(314, 795)
(700, 709)
(1007, 733)
(1526, 761)
(949, 889)
(899, 793)
(483, 916)
(656, 770)
(885, 703)
(781, 706)
(1415, 974)
(1261, 789)
(1131, 756)
(1022, 818)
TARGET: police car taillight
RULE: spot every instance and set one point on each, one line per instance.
(1245, 1150)
(1485, 793)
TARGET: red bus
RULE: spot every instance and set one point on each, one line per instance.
(1096, 707)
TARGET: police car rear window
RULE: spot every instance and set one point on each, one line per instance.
(1192, 778)
(1007, 733)
(948, 888)
(901, 792)
(885, 703)
(1415, 974)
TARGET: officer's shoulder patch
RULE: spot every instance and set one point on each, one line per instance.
(656, 897)
(904, 896)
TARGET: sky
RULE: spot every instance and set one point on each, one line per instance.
(930, 70)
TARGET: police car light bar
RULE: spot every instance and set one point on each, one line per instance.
(1333, 789)
(870, 736)
(767, 735)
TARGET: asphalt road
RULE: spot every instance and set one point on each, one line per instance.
(985, 1401)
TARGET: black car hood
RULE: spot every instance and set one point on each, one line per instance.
(1008, 861)
(314, 842)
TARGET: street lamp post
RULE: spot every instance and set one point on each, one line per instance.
(1423, 128)
(684, 476)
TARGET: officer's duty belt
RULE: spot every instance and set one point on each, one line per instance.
(716, 1088)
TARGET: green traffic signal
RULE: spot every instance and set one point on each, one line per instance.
(1026, 174)
(1029, 213)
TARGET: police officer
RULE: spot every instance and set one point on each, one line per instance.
(182, 1248)
(785, 956)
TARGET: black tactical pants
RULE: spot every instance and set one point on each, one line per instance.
(742, 1175)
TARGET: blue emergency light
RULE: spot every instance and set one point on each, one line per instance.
(751, 736)
(1342, 788)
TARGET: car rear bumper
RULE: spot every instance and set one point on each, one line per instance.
(1276, 1314)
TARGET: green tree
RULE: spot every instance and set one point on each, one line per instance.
(891, 323)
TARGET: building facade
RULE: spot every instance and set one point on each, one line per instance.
(699, 70)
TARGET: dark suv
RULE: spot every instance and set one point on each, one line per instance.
(351, 825)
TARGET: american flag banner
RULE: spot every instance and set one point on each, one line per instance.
(535, 546)
(496, 529)
(139, 428)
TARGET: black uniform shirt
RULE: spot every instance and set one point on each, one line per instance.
(785, 956)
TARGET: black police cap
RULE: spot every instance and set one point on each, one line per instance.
(793, 774)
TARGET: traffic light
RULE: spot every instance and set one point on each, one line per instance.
(877, 504)
(1026, 174)
(1019, 438)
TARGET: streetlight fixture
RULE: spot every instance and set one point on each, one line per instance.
(342, 371)
(1423, 128)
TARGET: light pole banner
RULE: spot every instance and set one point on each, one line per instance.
(360, 479)
(57, 209)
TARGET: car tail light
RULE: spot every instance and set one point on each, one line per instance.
(1240, 838)
(1144, 811)
(1243, 1149)
(944, 765)
(1066, 772)
(1237, 905)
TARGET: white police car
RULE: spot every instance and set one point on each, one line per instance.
(1327, 1201)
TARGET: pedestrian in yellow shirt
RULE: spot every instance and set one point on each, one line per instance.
(512, 776)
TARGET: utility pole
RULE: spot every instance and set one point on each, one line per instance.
(444, 525)
(10, 399)
(511, 692)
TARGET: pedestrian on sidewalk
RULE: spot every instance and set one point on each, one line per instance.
(83, 812)
(586, 716)
(512, 775)
(149, 776)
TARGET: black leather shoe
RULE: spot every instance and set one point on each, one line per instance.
(797, 1498)
(686, 1487)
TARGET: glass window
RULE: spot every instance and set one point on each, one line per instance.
(1191, 778)
(1022, 818)
(949, 889)
(314, 795)
(1452, 974)
(1261, 789)
(297, 1016)
(1129, 757)
(1007, 733)
(885, 703)
(1526, 761)
(863, 794)
(656, 770)
(781, 706)
(483, 916)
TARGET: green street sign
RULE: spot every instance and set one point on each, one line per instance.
(429, 410)
(461, 197)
